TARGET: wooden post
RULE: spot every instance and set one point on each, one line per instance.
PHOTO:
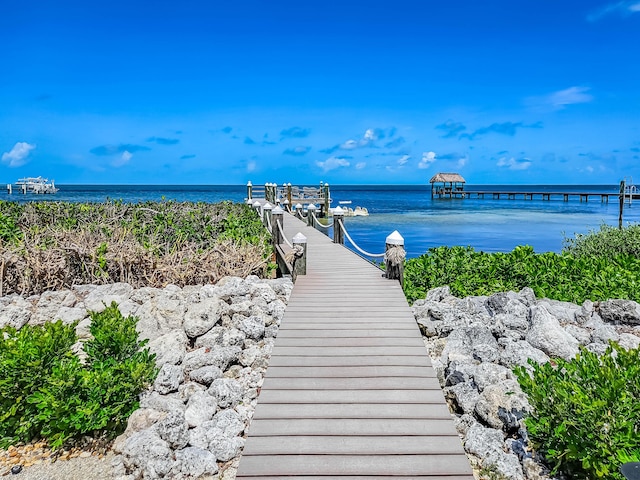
(298, 210)
(338, 234)
(256, 207)
(622, 189)
(289, 193)
(277, 215)
(249, 190)
(327, 202)
(311, 210)
(300, 263)
(266, 213)
(394, 259)
(9, 188)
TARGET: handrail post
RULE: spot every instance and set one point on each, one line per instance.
(394, 257)
(300, 263)
(327, 203)
(297, 208)
(286, 205)
(338, 235)
(622, 192)
(266, 213)
(289, 193)
(256, 207)
(249, 190)
(311, 211)
(277, 215)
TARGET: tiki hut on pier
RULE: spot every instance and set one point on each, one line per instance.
(449, 185)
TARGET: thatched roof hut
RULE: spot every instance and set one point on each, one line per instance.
(447, 178)
(447, 185)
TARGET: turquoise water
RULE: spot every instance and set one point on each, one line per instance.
(485, 224)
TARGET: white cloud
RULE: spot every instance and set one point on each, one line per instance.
(427, 159)
(623, 8)
(404, 159)
(462, 161)
(513, 164)
(349, 145)
(360, 165)
(122, 159)
(560, 99)
(251, 166)
(333, 163)
(18, 154)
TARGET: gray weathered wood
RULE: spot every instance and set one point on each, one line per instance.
(350, 391)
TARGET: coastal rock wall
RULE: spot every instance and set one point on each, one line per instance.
(475, 342)
(212, 345)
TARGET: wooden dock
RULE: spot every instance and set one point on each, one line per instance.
(350, 391)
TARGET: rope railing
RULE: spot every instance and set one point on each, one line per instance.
(284, 237)
(355, 245)
(317, 222)
(269, 227)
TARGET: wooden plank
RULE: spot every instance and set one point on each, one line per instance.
(290, 333)
(318, 383)
(386, 341)
(353, 445)
(359, 477)
(378, 361)
(348, 410)
(352, 427)
(348, 351)
(350, 371)
(351, 396)
(367, 465)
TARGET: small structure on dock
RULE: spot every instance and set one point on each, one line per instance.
(36, 185)
(447, 185)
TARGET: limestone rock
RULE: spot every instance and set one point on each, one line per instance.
(620, 311)
(547, 335)
(226, 391)
(200, 408)
(146, 452)
(168, 379)
(201, 317)
(170, 347)
(194, 462)
(174, 430)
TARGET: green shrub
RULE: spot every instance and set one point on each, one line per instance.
(27, 357)
(48, 392)
(586, 418)
(561, 277)
(609, 242)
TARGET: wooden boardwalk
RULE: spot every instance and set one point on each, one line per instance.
(350, 391)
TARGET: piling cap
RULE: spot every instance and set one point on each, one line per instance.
(395, 239)
(267, 206)
(311, 206)
(299, 238)
(298, 206)
(278, 210)
(338, 211)
(256, 204)
(249, 184)
(249, 201)
(285, 201)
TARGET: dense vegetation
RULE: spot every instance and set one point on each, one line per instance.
(54, 245)
(586, 412)
(46, 391)
(586, 418)
(597, 266)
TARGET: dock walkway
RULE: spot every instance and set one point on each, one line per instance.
(349, 391)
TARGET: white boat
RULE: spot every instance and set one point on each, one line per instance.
(36, 185)
(345, 202)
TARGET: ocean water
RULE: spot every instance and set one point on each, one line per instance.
(486, 224)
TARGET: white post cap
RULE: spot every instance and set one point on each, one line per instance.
(299, 238)
(311, 206)
(278, 210)
(249, 183)
(326, 184)
(256, 204)
(338, 211)
(286, 201)
(298, 206)
(249, 201)
(289, 184)
(395, 239)
(267, 206)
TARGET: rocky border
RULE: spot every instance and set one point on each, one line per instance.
(212, 345)
(474, 343)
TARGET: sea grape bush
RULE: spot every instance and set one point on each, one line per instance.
(608, 242)
(559, 276)
(586, 412)
(46, 391)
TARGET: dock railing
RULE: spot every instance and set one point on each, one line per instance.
(291, 255)
(393, 255)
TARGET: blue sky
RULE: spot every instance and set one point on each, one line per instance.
(375, 92)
